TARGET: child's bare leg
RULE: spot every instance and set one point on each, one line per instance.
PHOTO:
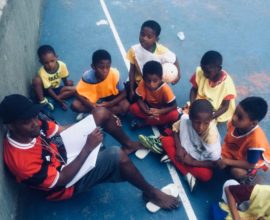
(77, 106)
(104, 118)
(67, 92)
(120, 108)
(238, 173)
(38, 88)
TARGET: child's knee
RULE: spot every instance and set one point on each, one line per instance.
(238, 173)
(206, 176)
(125, 106)
(36, 81)
(76, 106)
(101, 114)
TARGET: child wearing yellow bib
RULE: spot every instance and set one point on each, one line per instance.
(211, 82)
(101, 86)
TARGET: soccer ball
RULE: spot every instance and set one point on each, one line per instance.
(170, 72)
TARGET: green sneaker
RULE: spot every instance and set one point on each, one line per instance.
(152, 143)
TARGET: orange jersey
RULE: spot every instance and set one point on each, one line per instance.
(236, 147)
(95, 91)
(158, 98)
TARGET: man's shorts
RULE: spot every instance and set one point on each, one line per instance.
(106, 170)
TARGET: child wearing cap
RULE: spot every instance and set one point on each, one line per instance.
(32, 155)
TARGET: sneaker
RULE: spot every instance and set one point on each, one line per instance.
(152, 143)
(46, 103)
(165, 159)
(191, 181)
(80, 116)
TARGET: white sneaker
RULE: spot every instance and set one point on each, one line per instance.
(47, 103)
(165, 159)
(191, 181)
(80, 116)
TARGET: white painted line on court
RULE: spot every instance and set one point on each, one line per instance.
(115, 33)
(183, 196)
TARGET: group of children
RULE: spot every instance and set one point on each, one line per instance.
(191, 138)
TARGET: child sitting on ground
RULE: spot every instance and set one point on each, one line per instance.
(148, 49)
(211, 82)
(101, 86)
(194, 145)
(246, 201)
(156, 103)
(48, 80)
(245, 146)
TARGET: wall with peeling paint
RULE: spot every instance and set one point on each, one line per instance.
(19, 32)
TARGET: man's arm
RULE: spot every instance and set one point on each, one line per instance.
(69, 171)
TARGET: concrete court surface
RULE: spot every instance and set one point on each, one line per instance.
(76, 28)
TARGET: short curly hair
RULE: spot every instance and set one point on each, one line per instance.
(255, 107)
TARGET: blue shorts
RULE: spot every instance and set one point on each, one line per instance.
(56, 90)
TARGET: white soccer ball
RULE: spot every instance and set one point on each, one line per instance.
(170, 72)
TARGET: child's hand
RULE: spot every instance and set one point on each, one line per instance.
(154, 112)
(180, 154)
(188, 160)
(93, 139)
(221, 163)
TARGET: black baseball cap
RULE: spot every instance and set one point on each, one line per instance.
(15, 107)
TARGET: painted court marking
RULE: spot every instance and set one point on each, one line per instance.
(183, 196)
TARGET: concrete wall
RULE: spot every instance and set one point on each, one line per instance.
(19, 32)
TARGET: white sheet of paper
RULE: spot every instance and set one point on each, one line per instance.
(74, 139)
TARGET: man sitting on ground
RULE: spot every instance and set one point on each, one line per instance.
(33, 158)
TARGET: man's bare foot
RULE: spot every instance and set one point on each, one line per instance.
(161, 199)
(132, 147)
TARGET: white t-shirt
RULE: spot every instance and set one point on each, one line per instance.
(204, 147)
